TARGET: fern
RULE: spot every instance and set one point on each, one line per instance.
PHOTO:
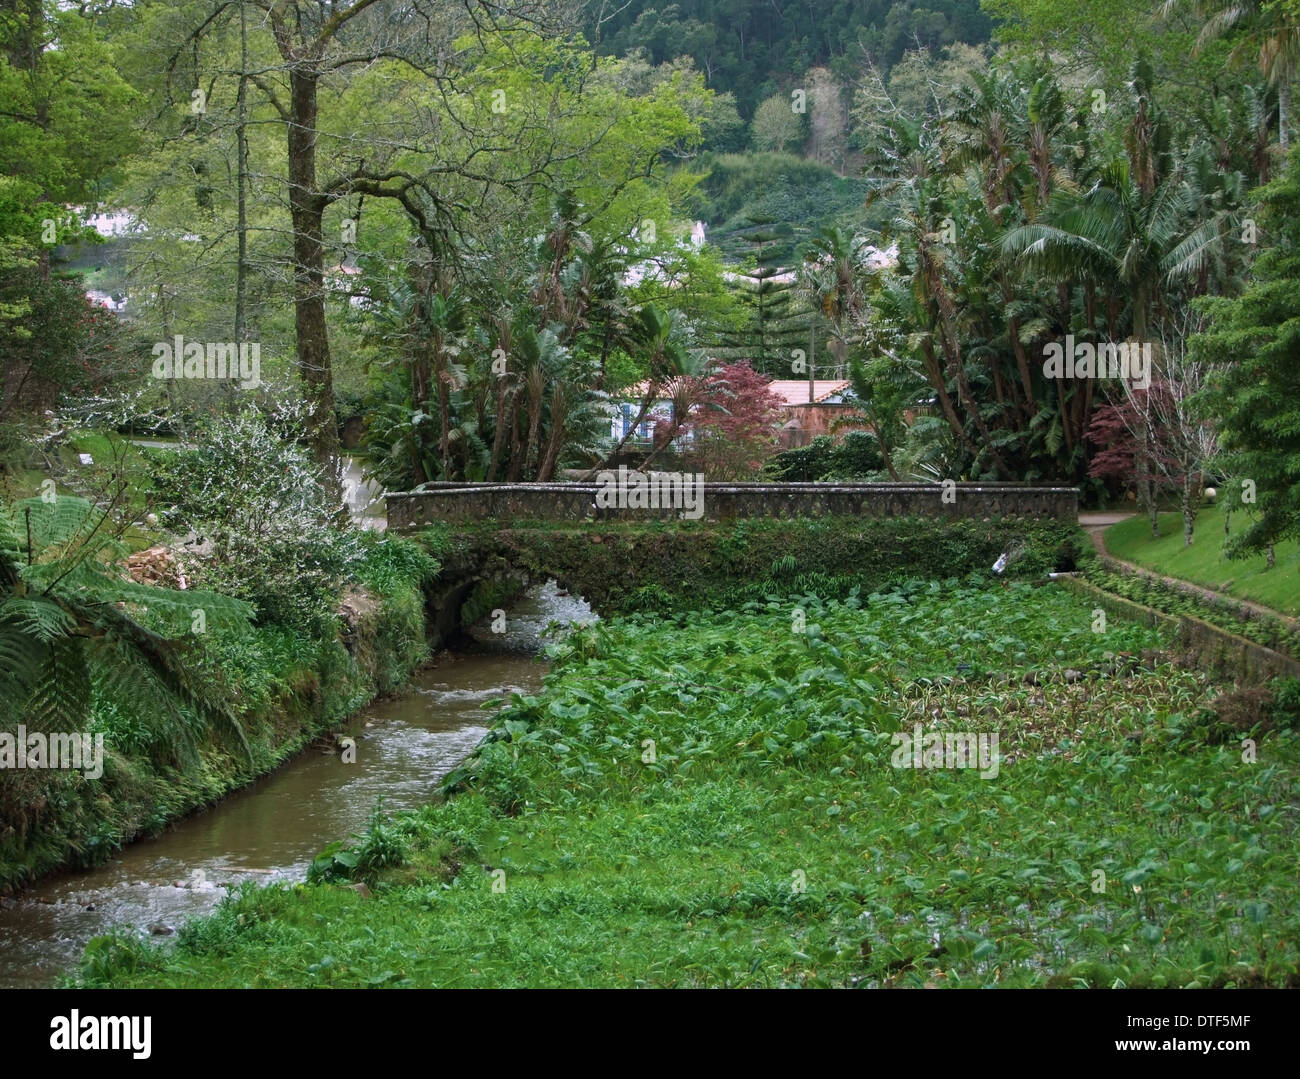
(53, 525)
(20, 661)
(61, 698)
(38, 617)
(11, 549)
(72, 626)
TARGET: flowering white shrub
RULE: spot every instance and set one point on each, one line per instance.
(260, 517)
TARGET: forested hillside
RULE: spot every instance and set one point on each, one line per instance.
(755, 49)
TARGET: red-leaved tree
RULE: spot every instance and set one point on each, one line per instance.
(734, 423)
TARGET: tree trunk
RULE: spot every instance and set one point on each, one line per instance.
(1284, 113)
(1146, 482)
(949, 341)
(532, 448)
(885, 454)
(307, 211)
(934, 373)
(1189, 510)
(1018, 348)
(441, 379)
(505, 419)
(1150, 493)
(559, 415)
(646, 402)
(241, 198)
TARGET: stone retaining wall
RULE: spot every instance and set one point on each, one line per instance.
(1211, 647)
(463, 502)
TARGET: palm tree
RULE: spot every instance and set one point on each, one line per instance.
(1144, 234)
(1007, 127)
(545, 362)
(1133, 244)
(986, 123)
(833, 276)
(908, 159)
(443, 318)
(564, 238)
(659, 338)
(1270, 27)
(1139, 230)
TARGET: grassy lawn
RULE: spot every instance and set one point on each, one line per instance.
(1204, 562)
(716, 799)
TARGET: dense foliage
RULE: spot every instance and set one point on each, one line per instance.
(490, 241)
(752, 49)
(252, 502)
(855, 457)
(687, 565)
(1254, 344)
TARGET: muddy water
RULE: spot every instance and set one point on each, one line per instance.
(273, 829)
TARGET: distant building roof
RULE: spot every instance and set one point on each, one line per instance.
(791, 391)
(794, 391)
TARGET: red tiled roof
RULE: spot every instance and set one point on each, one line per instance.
(794, 391)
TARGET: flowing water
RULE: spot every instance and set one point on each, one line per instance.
(273, 829)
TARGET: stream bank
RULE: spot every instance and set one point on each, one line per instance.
(273, 828)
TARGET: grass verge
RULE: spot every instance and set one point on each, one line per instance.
(1204, 562)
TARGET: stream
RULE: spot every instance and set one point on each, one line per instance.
(272, 829)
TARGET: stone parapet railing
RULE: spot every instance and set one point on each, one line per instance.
(576, 502)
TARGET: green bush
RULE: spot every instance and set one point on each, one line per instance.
(392, 563)
(1286, 702)
(858, 456)
(382, 846)
(687, 565)
(803, 464)
(855, 457)
(255, 496)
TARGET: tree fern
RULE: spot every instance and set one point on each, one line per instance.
(61, 698)
(72, 625)
(20, 662)
(51, 525)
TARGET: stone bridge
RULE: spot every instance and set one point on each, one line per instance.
(777, 540)
(576, 502)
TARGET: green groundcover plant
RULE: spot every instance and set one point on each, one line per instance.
(716, 800)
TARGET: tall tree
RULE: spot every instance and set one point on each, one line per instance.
(61, 137)
(1270, 29)
(1253, 343)
(319, 42)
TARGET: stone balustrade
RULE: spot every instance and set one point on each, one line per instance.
(576, 502)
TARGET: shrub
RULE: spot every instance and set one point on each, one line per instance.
(855, 458)
(804, 464)
(383, 846)
(256, 499)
